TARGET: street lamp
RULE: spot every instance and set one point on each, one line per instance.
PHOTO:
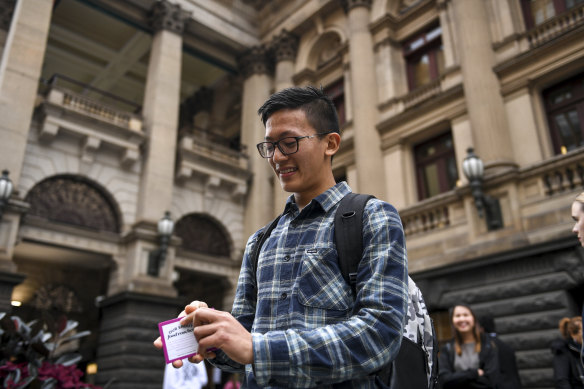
(156, 257)
(473, 169)
(5, 191)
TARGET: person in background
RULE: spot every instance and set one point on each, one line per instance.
(233, 382)
(189, 376)
(578, 229)
(470, 360)
(568, 371)
(507, 361)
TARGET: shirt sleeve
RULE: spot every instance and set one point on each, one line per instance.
(368, 339)
(244, 305)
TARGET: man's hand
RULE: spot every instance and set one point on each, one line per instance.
(192, 307)
(217, 329)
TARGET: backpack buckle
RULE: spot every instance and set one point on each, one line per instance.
(353, 278)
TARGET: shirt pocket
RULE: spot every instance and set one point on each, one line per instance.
(320, 283)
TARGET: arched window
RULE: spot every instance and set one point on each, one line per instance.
(202, 234)
(73, 200)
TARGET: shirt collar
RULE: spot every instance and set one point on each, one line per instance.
(326, 200)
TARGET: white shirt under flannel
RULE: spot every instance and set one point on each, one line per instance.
(308, 330)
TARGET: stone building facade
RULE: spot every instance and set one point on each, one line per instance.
(114, 112)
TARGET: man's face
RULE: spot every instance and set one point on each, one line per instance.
(307, 172)
(578, 216)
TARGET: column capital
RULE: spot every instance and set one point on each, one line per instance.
(350, 4)
(285, 46)
(6, 11)
(167, 16)
(256, 60)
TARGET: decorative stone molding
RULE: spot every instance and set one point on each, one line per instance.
(167, 16)
(256, 60)
(6, 12)
(96, 123)
(350, 4)
(285, 46)
(217, 165)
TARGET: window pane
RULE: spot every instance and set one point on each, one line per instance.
(572, 3)
(451, 172)
(422, 71)
(431, 180)
(561, 96)
(568, 125)
(542, 10)
(435, 33)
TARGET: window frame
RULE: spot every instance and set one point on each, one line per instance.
(431, 47)
(440, 159)
(576, 86)
(336, 91)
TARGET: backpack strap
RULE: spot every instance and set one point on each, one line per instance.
(262, 237)
(349, 235)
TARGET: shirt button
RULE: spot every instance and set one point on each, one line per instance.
(286, 258)
(283, 296)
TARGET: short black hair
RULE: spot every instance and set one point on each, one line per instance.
(317, 106)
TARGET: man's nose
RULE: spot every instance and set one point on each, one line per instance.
(278, 155)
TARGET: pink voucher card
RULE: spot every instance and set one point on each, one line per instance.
(178, 341)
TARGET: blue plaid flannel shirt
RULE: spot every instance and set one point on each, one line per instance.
(307, 328)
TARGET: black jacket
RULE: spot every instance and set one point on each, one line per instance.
(509, 374)
(470, 379)
(568, 371)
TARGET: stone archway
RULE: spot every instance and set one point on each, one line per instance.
(201, 233)
(76, 201)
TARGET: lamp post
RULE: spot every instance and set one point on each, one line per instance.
(473, 169)
(156, 257)
(6, 187)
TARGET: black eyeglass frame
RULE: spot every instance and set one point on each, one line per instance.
(275, 144)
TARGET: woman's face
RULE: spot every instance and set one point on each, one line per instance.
(462, 319)
(578, 216)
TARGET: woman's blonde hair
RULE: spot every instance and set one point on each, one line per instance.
(570, 326)
(580, 198)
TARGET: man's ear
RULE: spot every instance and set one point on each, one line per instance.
(333, 143)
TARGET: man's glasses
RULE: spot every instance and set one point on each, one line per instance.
(287, 146)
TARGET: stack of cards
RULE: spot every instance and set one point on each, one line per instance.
(178, 341)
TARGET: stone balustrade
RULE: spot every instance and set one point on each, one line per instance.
(556, 26)
(65, 112)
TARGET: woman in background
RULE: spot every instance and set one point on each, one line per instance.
(568, 371)
(470, 360)
(578, 229)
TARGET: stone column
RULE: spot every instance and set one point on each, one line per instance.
(136, 301)
(488, 120)
(256, 68)
(161, 110)
(20, 71)
(284, 46)
(368, 157)
(24, 45)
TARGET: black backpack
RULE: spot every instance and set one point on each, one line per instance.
(416, 365)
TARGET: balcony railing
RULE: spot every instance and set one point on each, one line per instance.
(556, 26)
(535, 201)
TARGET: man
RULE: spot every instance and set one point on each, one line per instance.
(295, 321)
(578, 229)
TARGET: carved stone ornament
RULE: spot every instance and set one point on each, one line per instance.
(285, 46)
(58, 297)
(202, 235)
(72, 200)
(255, 61)
(349, 4)
(6, 11)
(168, 16)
